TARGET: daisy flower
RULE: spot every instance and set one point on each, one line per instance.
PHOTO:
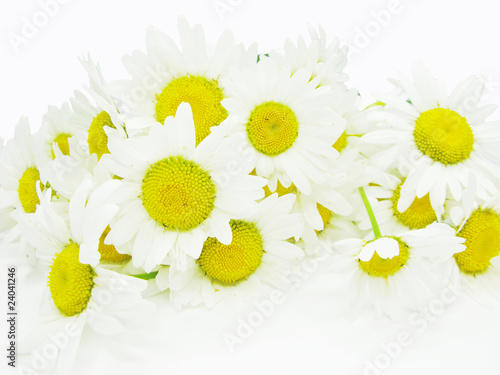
(384, 195)
(259, 253)
(79, 294)
(167, 76)
(64, 162)
(479, 263)
(327, 199)
(317, 209)
(92, 116)
(329, 59)
(440, 138)
(284, 122)
(334, 225)
(397, 272)
(21, 173)
(175, 194)
(392, 273)
(54, 134)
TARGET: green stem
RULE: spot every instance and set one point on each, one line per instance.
(371, 215)
(146, 276)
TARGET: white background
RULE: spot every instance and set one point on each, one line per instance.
(311, 331)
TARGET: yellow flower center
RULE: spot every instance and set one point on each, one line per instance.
(380, 267)
(70, 281)
(97, 138)
(234, 262)
(482, 241)
(203, 95)
(27, 189)
(326, 215)
(272, 128)
(341, 143)
(280, 189)
(62, 142)
(108, 252)
(418, 215)
(444, 136)
(178, 193)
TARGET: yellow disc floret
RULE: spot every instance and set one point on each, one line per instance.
(234, 262)
(280, 189)
(203, 95)
(27, 189)
(444, 136)
(70, 281)
(418, 215)
(380, 267)
(482, 242)
(62, 142)
(97, 138)
(272, 128)
(178, 193)
(108, 252)
(326, 214)
(341, 143)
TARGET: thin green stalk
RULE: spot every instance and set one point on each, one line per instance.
(146, 276)
(371, 215)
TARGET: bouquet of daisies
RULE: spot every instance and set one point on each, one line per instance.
(213, 171)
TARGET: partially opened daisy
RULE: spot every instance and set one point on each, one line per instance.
(259, 253)
(440, 138)
(168, 75)
(284, 122)
(78, 293)
(394, 273)
(175, 194)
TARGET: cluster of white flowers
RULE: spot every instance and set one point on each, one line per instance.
(214, 170)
